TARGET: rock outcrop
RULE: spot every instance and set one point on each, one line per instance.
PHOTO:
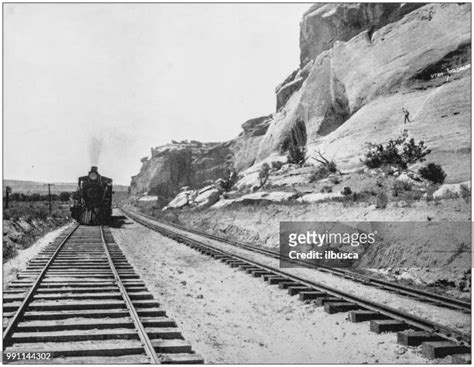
(360, 64)
(325, 24)
(356, 90)
(175, 165)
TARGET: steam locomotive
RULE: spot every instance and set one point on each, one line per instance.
(93, 199)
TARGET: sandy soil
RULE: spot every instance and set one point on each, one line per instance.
(230, 317)
(259, 224)
(19, 262)
(441, 315)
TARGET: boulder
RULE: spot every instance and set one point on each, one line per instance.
(181, 200)
(148, 198)
(410, 178)
(319, 196)
(206, 188)
(207, 198)
(261, 196)
(448, 191)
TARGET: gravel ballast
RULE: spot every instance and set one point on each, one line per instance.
(231, 317)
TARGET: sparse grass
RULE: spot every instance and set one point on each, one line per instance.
(29, 212)
(326, 188)
(296, 155)
(35, 210)
(264, 174)
(466, 193)
(321, 172)
(382, 200)
(400, 187)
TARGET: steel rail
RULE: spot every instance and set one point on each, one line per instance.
(146, 342)
(406, 290)
(26, 301)
(418, 322)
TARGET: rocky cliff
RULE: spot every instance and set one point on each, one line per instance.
(179, 164)
(360, 64)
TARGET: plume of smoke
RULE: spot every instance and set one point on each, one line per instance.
(95, 148)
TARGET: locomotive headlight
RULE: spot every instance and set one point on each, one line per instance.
(93, 176)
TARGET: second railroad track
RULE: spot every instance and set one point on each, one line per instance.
(436, 340)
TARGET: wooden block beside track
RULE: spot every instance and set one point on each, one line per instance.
(297, 289)
(440, 349)
(320, 301)
(171, 346)
(311, 295)
(335, 307)
(259, 273)
(415, 338)
(365, 315)
(289, 283)
(382, 326)
(181, 358)
(250, 269)
(276, 280)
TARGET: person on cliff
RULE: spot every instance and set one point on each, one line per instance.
(407, 115)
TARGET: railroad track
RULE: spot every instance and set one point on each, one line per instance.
(80, 301)
(436, 340)
(412, 292)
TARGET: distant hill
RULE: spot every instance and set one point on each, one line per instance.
(41, 188)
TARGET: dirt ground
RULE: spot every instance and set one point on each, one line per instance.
(437, 260)
(230, 317)
(441, 315)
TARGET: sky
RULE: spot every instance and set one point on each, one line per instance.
(104, 83)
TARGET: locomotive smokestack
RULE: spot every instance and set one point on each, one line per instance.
(94, 169)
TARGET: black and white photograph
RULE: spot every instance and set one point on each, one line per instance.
(236, 183)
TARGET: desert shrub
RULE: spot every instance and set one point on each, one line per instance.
(326, 188)
(264, 174)
(414, 195)
(64, 196)
(276, 165)
(330, 165)
(465, 193)
(346, 191)
(400, 187)
(335, 180)
(382, 200)
(319, 174)
(399, 152)
(229, 181)
(296, 155)
(9, 250)
(433, 172)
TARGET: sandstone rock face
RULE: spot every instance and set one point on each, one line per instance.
(324, 24)
(181, 164)
(360, 64)
(449, 191)
(245, 146)
(356, 90)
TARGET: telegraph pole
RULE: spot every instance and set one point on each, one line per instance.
(49, 196)
(7, 195)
